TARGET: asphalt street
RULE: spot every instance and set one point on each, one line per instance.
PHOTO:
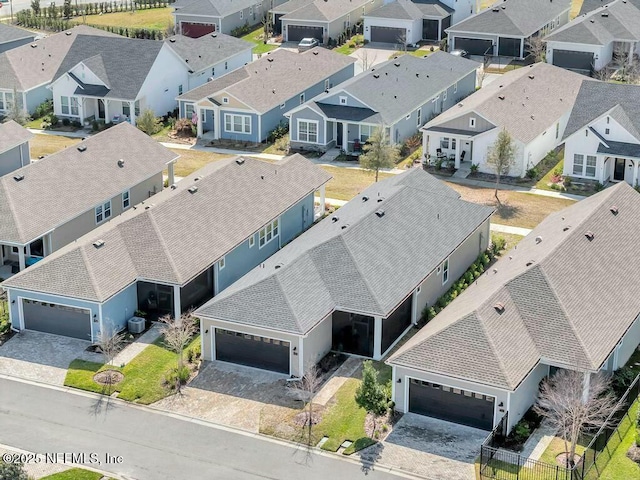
(152, 445)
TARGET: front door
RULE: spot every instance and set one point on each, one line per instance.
(618, 169)
(339, 135)
(100, 109)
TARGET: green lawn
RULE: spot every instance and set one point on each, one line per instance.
(620, 466)
(152, 19)
(421, 52)
(555, 448)
(349, 182)
(143, 376)
(74, 474)
(350, 45)
(256, 37)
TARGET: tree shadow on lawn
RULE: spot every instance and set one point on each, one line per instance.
(507, 211)
(369, 455)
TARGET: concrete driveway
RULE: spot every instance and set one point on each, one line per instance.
(372, 54)
(41, 356)
(429, 447)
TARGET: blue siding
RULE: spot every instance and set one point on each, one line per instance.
(36, 96)
(12, 159)
(120, 308)
(254, 136)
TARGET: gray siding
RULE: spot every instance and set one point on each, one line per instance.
(334, 99)
(296, 220)
(16, 43)
(120, 308)
(525, 395)
(36, 96)
(14, 158)
(462, 123)
(306, 114)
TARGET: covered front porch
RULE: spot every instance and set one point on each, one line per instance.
(108, 110)
(15, 258)
(615, 161)
(449, 148)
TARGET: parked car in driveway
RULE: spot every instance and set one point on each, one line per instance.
(307, 44)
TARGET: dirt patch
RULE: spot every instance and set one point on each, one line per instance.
(379, 427)
(562, 459)
(302, 418)
(108, 377)
(634, 454)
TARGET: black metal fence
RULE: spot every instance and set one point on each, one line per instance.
(500, 464)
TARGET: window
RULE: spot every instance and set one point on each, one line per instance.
(606, 131)
(221, 263)
(301, 98)
(203, 116)
(103, 212)
(453, 144)
(343, 100)
(365, 132)
(590, 169)
(126, 200)
(327, 84)
(252, 241)
(8, 100)
(250, 11)
(578, 163)
(444, 143)
(179, 89)
(213, 71)
(582, 168)
(307, 131)
(268, 233)
(136, 108)
(126, 109)
(226, 65)
(188, 110)
(237, 123)
(74, 106)
(445, 271)
(1, 101)
(472, 122)
(455, 87)
(64, 105)
(241, 14)
(444, 95)
(225, 99)
(557, 129)
(607, 120)
(419, 114)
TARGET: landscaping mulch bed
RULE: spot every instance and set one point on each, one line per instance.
(108, 377)
(562, 459)
(6, 336)
(383, 425)
(490, 178)
(302, 418)
(634, 454)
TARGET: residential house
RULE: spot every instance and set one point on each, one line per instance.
(12, 37)
(171, 253)
(592, 41)
(247, 104)
(602, 138)
(115, 79)
(14, 147)
(409, 22)
(27, 71)
(561, 299)
(322, 19)
(346, 284)
(399, 95)
(52, 202)
(195, 18)
(532, 104)
(505, 28)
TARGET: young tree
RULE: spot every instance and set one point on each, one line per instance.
(371, 395)
(15, 112)
(35, 7)
(177, 335)
(306, 389)
(537, 47)
(148, 122)
(66, 9)
(110, 341)
(573, 408)
(379, 153)
(502, 157)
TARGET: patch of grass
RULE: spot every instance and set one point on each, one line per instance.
(421, 52)
(74, 474)
(511, 239)
(48, 144)
(152, 19)
(544, 181)
(576, 5)
(349, 182)
(143, 376)
(256, 37)
(192, 160)
(620, 466)
(34, 123)
(555, 448)
(350, 45)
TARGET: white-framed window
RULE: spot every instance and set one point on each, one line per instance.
(343, 100)
(472, 122)
(308, 131)
(557, 129)
(226, 65)
(268, 233)
(301, 98)
(578, 163)
(203, 116)
(179, 89)
(188, 110)
(419, 115)
(252, 241)
(225, 99)
(327, 84)
(607, 131)
(455, 87)
(365, 132)
(590, 168)
(126, 200)
(126, 109)
(584, 166)
(241, 14)
(136, 108)
(64, 105)
(445, 271)
(221, 263)
(250, 11)
(213, 71)
(444, 143)
(103, 212)
(237, 123)
(444, 95)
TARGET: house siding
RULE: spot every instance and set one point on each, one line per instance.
(630, 343)
(180, 18)
(120, 308)
(316, 344)
(306, 114)
(525, 395)
(233, 63)
(14, 158)
(36, 96)
(254, 136)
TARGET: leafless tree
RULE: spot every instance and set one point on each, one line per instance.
(306, 389)
(629, 68)
(501, 157)
(402, 42)
(573, 408)
(603, 74)
(363, 54)
(537, 47)
(110, 342)
(177, 335)
(481, 75)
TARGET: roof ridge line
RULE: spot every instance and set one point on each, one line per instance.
(163, 244)
(87, 265)
(11, 207)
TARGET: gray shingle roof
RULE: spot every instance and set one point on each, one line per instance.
(290, 6)
(398, 86)
(9, 33)
(274, 78)
(617, 21)
(400, 9)
(324, 10)
(213, 8)
(350, 114)
(207, 50)
(551, 291)
(12, 134)
(433, 8)
(513, 17)
(597, 98)
(63, 185)
(354, 263)
(125, 61)
(530, 105)
(181, 234)
(621, 149)
(27, 67)
(590, 5)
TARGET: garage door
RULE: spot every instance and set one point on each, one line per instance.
(580, 61)
(451, 404)
(295, 33)
(474, 46)
(388, 35)
(196, 30)
(509, 47)
(58, 319)
(252, 350)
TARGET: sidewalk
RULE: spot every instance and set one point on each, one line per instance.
(76, 134)
(222, 151)
(496, 227)
(132, 350)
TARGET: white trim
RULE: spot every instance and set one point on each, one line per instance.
(232, 122)
(128, 192)
(304, 120)
(222, 262)
(274, 224)
(103, 212)
(19, 300)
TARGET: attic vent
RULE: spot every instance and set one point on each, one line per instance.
(501, 97)
(376, 75)
(605, 14)
(121, 163)
(531, 77)
(240, 161)
(565, 229)
(173, 186)
(614, 209)
(496, 9)
(18, 178)
(397, 64)
(335, 219)
(98, 243)
(530, 262)
(538, 239)
(499, 307)
(417, 75)
(365, 198)
(590, 236)
(34, 45)
(82, 148)
(592, 21)
(269, 59)
(380, 200)
(67, 33)
(172, 40)
(193, 189)
(315, 52)
(380, 213)
(344, 227)
(280, 265)
(214, 35)
(196, 179)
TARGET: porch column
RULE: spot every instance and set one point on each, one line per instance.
(586, 385)
(630, 59)
(132, 110)
(216, 124)
(345, 139)
(634, 179)
(199, 124)
(21, 257)
(177, 308)
(107, 118)
(521, 47)
(322, 200)
(377, 338)
(172, 178)
(457, 153)
(414, 307)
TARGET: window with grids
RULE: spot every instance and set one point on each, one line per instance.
(307, 131)
(126, 200)
(584, 165)
(365, 132)
(445, 271)
(237, 123)
(268, 233)
(103, 212)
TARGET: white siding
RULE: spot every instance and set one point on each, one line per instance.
(412, 27)
(602, 54)
(525, 395)
(317, 343)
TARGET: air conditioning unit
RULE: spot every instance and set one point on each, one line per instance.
(136, 324)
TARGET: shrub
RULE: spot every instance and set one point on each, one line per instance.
(598, 187)
(282, 144)
(184, 127)
(45, 125)
(532, 173)
(277, 133)
(498, 243)
(475, 167)
(76, 124)
(66, 122)
(148, 122)
(45, 108)
(522, 431)
(177, 376)
(414, 141)
(95, 126)
(140, 313)
(622, 379)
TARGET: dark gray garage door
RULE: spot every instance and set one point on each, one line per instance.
(58, 319)
(580, 61)
(388, 35)
(474, 46)
(295, 33)
(509, 47)
(252, 350)
(451, 404)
